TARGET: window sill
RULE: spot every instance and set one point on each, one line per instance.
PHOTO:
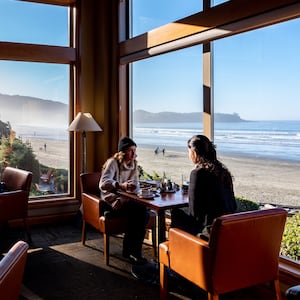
(47, 210)
(289, 271)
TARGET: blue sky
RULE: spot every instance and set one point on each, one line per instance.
(256, 75)
(261, 68)
(34, 23)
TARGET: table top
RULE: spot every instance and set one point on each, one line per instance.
(161, 201)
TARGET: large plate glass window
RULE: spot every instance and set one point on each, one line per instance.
(33, 23)
(256, 77)
(35, 95)
(34, 117)
(167, 110)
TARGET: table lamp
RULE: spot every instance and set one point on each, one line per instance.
(84, 122)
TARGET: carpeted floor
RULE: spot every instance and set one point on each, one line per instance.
(59, 267)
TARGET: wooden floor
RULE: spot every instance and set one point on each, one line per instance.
(60, 267)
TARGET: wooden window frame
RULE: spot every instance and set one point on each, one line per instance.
(43, 208)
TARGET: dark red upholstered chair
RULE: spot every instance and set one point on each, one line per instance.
(12, 270)
(14, 201)
(107, 225)
(243, 251)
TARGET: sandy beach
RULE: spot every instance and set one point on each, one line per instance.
(55, 153)
(261, 180)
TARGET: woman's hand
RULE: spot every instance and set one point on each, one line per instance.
(130, 185)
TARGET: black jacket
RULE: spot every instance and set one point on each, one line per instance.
(209, 197)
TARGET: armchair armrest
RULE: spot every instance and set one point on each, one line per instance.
(164, 253)
(189, 256)
(11, 271)
(90, 209)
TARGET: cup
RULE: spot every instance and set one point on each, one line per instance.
(185, 187)
(146, 192)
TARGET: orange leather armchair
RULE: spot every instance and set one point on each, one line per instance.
(14, 201)
(11, 271)
(243, 251)
(91, 211)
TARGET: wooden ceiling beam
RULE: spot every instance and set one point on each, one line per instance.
(54, 2)
(213, 18)
(37, 53)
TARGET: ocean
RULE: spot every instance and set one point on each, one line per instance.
(259, 139)
(40, 132)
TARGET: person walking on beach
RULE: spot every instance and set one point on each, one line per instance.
(211, 191)
(120, 172)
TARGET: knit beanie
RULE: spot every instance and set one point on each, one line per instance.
(125, 143)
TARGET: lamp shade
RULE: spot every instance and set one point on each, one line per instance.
(84, 122)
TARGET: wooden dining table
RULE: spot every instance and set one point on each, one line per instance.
(161, 202)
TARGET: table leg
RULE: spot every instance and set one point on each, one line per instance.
(161, 226)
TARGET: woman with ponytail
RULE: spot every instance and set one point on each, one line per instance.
(210, 189)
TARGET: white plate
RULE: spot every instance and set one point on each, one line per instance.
(131, 192)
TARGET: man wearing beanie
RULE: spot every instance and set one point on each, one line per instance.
(121, 172)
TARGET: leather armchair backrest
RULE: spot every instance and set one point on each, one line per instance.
(11, 271)
(90, 183)
(16, 179)
(246, 248)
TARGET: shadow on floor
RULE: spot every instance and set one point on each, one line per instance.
(60, 267)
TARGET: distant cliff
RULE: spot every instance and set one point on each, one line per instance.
(142, 116)
(36, 111)
(32, 111)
